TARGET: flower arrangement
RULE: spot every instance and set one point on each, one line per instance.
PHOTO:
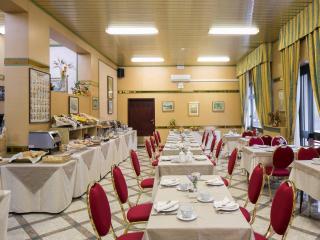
(274, 118)
(172, 124)
(64, 68)
(81, 88)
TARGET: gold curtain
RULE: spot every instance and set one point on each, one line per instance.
(243, 94)
(290, 71)
(314, 63)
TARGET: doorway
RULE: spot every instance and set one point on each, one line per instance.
(141, 115)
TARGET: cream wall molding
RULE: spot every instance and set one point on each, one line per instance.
(175, 91)
(24, 62)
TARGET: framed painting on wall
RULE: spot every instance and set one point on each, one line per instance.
(110, 106)
(110, 87)
(73, 105)
(95, 103)
(218, 106)
(193, 109)
(39, 96)
(167, 106)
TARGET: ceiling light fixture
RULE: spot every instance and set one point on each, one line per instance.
(2, 30)
(233, 30)
(147, 59)
(213, 59)
(131, 30)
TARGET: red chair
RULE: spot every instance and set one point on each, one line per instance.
(247, 134)
(159, 137)
(231, 163)
(282, 211)
(283, 156)
(100, 214)
(205, 142)
(154, 161)
(203, 136)
(143, 184)
(136, 214)
(212, 145)
(218, 150)
(254, 132)
(318, 150)
(256, 141)
(278, 140)
(156, 138)
(266, 140)
(255, 189)
(153, 147)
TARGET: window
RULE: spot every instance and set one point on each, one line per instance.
(252, 120)
(309, 119)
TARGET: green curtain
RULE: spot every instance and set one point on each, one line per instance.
(243, 94)
(314, 63)
(290, 73)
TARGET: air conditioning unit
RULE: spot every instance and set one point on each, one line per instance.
(180, 77)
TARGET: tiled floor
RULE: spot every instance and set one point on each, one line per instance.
(73, 223)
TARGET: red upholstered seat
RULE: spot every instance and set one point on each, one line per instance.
(139, 212)
(276, 141)
(266, 139)
(155, 163)
(307, 153)
(120, 184)
(278, 172)
(226, 183)
(247, 134)
(219, 148)
(131, 236)
(255, 141)
(147, 183)
(258, 236)
(245, 213)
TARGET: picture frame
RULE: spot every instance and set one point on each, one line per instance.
(218, 106)
(193, 109)
(110, 106)
(73, 105)
(2, 93)
(39, 96)
(95, 103)
(110, 87)
(167, 106)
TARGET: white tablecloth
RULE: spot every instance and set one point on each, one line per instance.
(231, 141)
(4, 212)
(306, 177)
(39, 187)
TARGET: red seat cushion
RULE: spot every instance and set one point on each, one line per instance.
(155, 163)
(258, 236)
(147, 183)
(131, 236)
(225, 181)
(139, 212)
(278, 172)
(245, 213)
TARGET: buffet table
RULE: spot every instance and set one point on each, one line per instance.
(41, 187)
(4, 212)
(231, 141)
(306, 176)
(209, 223)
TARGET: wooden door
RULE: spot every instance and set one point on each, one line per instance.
(141, 115)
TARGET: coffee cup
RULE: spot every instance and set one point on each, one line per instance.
(206, 196)
(186, 211)
(184, 186)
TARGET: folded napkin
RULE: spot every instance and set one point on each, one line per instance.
(226, 204)
(200, 157)
(215, 181)
(164, 205)
(168, 181)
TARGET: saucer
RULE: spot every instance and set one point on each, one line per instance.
(193, 217)
(183, 190)
(205, 201)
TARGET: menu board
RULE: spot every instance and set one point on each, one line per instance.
(39, 96)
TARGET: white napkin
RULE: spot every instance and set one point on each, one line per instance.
(226, 204)
(168, 181)
(215, 181)
(200, 157)
(164, 205)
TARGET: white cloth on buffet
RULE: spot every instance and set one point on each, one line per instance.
(4, 213)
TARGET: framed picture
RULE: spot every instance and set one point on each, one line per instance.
(2, 93)
(110, 87)
(110, 106)
(218, 106)
(281, 100)
(167, 106)
(39, 96)
(95, 103)
(193, 109)
(73, 105)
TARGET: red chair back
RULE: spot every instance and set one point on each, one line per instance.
(206, 140)
(213, 143)
(159, 137)
(148, 148)
(153, 144)
(276, 141)
(135, 162)
(255, 141)
(247, 134)
(254, 132)
(282, 207)
(255, 183)
(119, 183)
(203, 136)
(99, 209)
(307, 153)
(283, 156)
(219, 148)
(266, 140)
(232, 161)
(155, 135)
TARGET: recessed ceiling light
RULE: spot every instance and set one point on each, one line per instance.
(233, 30)
(131, 30)
(213, 59)
(147, 59)
(2, 30)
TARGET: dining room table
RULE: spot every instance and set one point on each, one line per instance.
(208, 219)
(231, 141)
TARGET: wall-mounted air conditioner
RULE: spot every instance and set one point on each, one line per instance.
(180, 77)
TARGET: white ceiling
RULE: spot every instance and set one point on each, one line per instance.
(181, 24)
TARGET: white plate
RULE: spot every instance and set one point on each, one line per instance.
(205, 201)
(200, 158)
(193, 217)
(229, 209)
(215, 183)
(182, 190)
(170, 209)
(172, 183)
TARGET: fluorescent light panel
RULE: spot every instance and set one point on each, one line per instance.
(2, 30)
(131, 30)
(233, 30)
(147, 59)
(213, 59)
